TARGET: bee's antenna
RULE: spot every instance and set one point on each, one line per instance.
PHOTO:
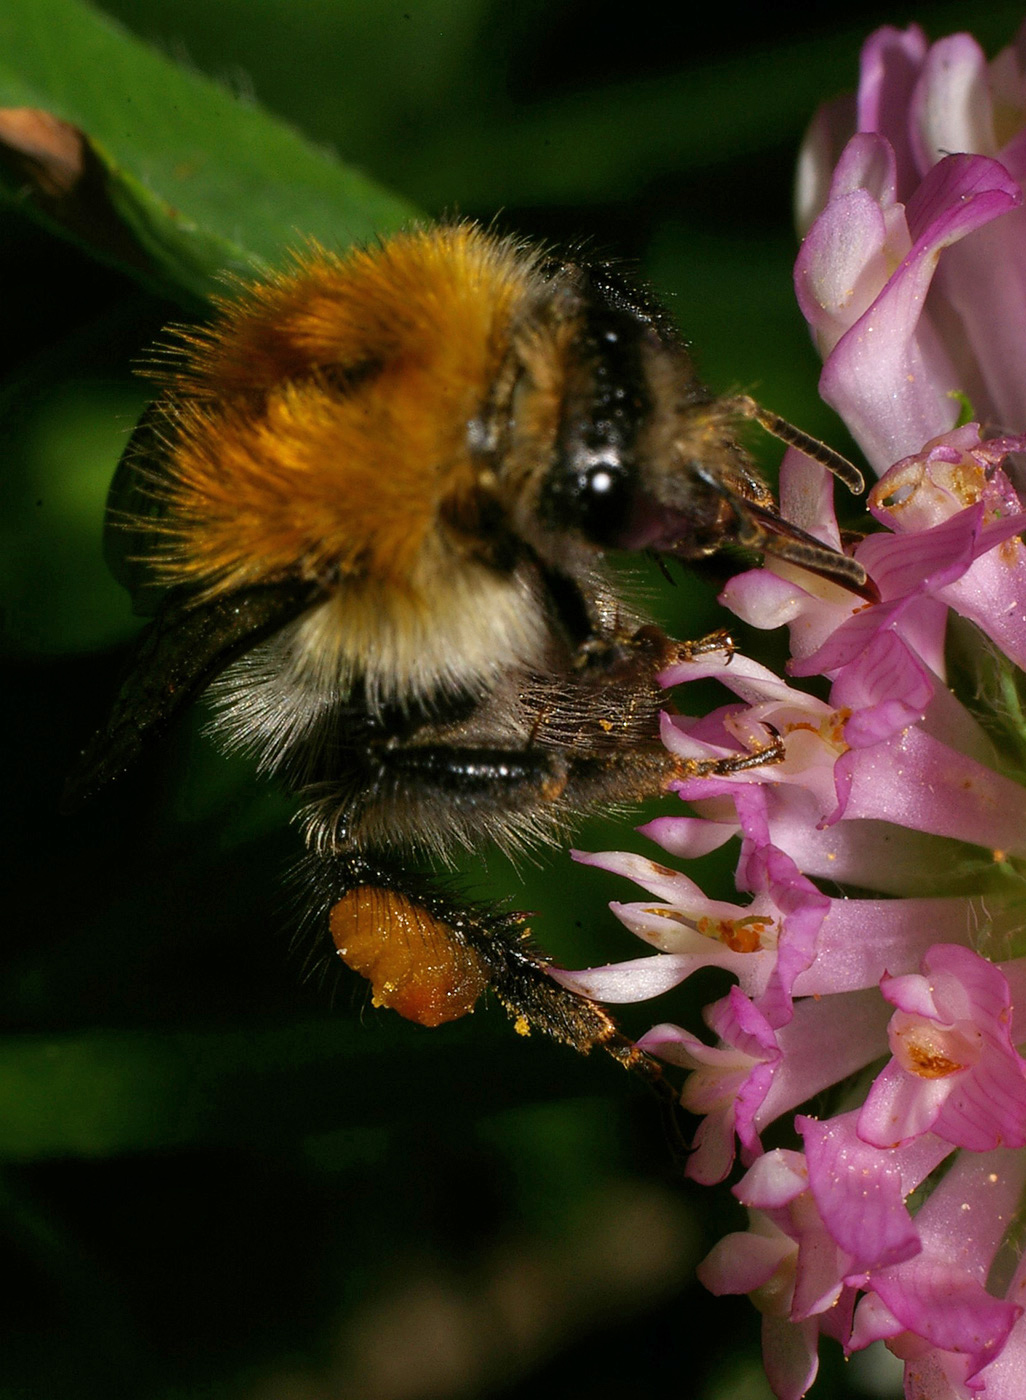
(794, 437)
(779, 538)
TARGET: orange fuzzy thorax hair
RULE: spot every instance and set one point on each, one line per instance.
(320, 423)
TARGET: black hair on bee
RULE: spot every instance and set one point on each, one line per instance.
(369, 510)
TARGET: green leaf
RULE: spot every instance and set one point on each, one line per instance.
(160, 171)
(100, 1093)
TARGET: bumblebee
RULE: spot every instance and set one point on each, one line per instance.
(369, 510)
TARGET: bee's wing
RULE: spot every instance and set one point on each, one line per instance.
(135, 498)
(189, 641)
(175, 657)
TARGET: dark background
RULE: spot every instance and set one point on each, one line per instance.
(224, 1174)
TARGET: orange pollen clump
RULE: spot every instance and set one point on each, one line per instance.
(967, 480)
(414, 961)
(745, 935)
(1010, 552)
(830, 729)
(927, 1061)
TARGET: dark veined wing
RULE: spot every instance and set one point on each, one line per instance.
(176, 657)
(189, 641)
(133, 499)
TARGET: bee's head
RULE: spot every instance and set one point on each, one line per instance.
(646, 458)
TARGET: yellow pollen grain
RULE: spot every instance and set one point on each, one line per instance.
(967, 481)
(928, 1064)
(830, 729)
(739, 935)
(834, 726)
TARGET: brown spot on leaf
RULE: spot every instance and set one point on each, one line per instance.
(49, 152)
(58, 171)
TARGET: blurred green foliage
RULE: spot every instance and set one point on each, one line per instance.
(202, 182)
(225, 1175)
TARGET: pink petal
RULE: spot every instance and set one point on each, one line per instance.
(829, 130)
(742, 1262)
(861, 939)
(667, 884)
(886, 687)
(773, 1181)
(790, 1354)
(931, 558)
(940, 1294)
(890, 67)
(984, 281)
(739, 1023)
(1002, 1379)
(938, 1375)
(814, 1056)
(888, 377)
(991, 593)
(656, 925)
(680, 1047)
(867, 164)
(727, 1084)
(842, 266)
(900, 1108)
(688, 837)
(873, 1322)
(762, 598)
(951, 108)
(926, 494)
(873, 854)
(969, 1212)
(750, 681)
(915, 781)
(955, 1070)
(637, 979)
(860, 1194)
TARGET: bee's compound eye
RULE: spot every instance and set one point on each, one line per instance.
(604, 502)
(601, 483)
(591, 493)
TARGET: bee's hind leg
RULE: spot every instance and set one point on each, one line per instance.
(429, 954)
